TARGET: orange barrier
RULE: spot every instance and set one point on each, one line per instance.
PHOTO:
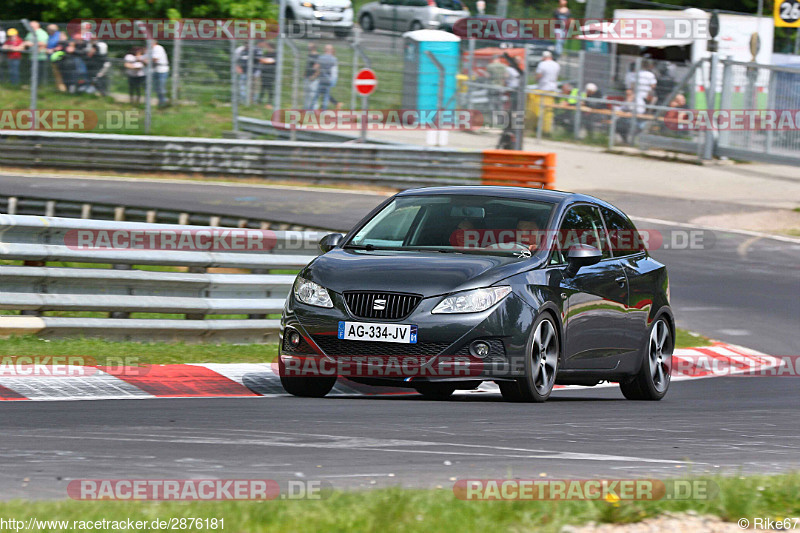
(519, 169)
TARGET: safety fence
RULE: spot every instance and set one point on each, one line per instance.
(196, 283)
(391, 166)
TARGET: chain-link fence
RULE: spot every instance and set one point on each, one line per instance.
(602, 98)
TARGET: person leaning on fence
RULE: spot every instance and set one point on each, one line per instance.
(327, 62)
(592, 120)
(311, 77)
(41, 45)
(13, 47)
(675, 120)
(98, 66)
(569, 96)
(160, 65)
(626, 126)
(72, 67)
(134, 71)
(55, 42)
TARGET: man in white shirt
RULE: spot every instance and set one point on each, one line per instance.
(547, 73)
(160, 72)
(644, 85)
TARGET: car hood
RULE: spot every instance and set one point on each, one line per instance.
(425, 273)
(332, 3)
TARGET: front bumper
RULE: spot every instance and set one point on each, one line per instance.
(442, 351)
(326, 19)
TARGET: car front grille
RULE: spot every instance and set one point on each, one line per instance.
(386, 305)
(332, 345)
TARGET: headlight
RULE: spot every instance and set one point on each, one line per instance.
(472, 301)
(307, 4)
(311, 293)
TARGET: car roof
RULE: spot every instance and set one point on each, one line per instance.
(521, 193)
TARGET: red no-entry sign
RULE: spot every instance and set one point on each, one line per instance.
(365, 81)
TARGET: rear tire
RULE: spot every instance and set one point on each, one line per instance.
(652, 381)
(541, 365)
(305, 387)
(416, 25)
(435, 391)
(366, 22)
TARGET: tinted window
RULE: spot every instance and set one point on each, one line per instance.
(453, 5)
(467, 223)
(625, 240)
(416, 3)
(581, 225)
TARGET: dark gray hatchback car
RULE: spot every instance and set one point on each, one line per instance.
(442, 288)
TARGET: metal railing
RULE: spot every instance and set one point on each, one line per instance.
(234, 286)
(391, 166)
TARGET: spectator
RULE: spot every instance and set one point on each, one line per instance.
(327, 62)
(562, 15)
(242, 60)
(643, 83)
(160, 66)
(311, 79)
(267, 67)
(98, 66)
(675, 118)
(55, 42)
(497, 77)
(41, 44)
(134, 70)
(547, 73)
(626, 126)
(513, 79)
(592, 120)
(72, 67)
(13, 47)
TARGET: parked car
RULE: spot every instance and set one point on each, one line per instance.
(410, 15)
(336, 15)
(527, 288)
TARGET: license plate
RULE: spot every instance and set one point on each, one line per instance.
(370, 331)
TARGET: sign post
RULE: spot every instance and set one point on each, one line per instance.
(365, 82)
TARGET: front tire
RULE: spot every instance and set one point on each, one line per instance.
(541, 366)
(653, 379)
(305, 387)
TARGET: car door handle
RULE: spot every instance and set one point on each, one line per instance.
(621, 281)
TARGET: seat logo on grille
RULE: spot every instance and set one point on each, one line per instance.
(379, 304)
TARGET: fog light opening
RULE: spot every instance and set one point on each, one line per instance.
(479, 349)
(294, 339)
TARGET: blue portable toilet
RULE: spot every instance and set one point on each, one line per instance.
(420, 75)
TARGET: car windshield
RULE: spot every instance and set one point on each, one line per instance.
(457, 223)
(453, 5)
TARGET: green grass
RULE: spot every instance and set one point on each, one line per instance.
(409, 510)
(140, 353)
(689, 339)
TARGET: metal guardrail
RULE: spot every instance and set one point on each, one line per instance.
(392, 166)
(269, 128)
(207, 284)
(120, 212)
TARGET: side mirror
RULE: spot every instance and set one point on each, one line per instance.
(581, 255)
(330, 241)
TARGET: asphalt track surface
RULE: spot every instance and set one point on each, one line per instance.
(738, 288)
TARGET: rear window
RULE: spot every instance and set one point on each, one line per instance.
(453, 5)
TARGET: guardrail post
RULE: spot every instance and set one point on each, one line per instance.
(34, 64)
(711, 97)
(576, 123)
(234, 88)
(251, 46)
(176, 66)
(612, 128)
(278, 81)
(725, 97)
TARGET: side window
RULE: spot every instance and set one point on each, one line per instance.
(625, 240)
(581, 225)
